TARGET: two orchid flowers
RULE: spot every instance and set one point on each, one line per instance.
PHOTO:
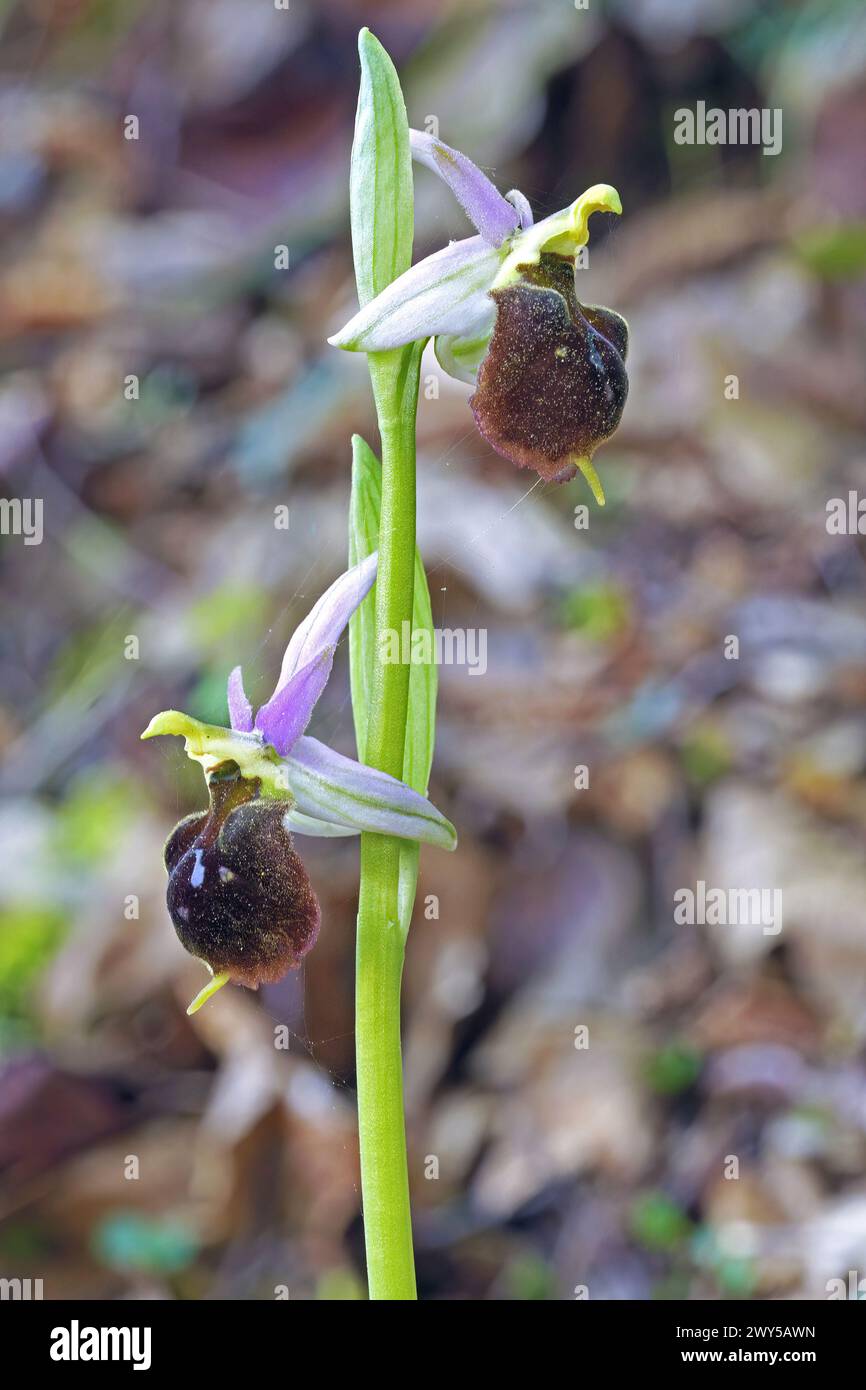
(550, 386)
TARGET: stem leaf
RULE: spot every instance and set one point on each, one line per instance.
(364, 510)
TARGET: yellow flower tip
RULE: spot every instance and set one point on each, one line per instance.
(169, 721)
(208, 992)
(600, 198)
(563, 234)
(588, 470)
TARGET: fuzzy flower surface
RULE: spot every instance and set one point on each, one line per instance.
(502, 309)
(238, 893)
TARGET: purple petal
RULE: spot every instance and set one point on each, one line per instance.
(338, 790)
(240, 709)
(483, 204)
(324, 624)
(446, 293)
(286, 715)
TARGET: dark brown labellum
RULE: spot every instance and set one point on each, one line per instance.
(238, 894)
(553, 384)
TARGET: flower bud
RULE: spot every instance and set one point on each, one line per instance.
(553, 384)
(238, 894)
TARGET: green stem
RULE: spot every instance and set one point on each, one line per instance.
(380, 942)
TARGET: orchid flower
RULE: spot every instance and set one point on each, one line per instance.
(502, 308)
(238, 893)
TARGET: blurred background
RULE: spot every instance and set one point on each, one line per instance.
(145, 1154)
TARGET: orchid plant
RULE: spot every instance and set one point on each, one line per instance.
(550, 386)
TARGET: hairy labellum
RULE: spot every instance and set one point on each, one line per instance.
(238, 894)
(553, 384)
